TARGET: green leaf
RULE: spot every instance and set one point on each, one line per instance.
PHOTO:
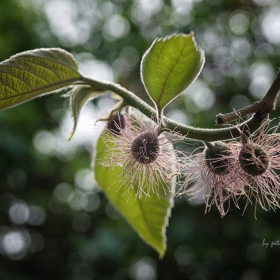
(148, 216)
(79, 96)
(35, 73)
(169, 66)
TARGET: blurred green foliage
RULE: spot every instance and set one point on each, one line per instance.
(54, 221)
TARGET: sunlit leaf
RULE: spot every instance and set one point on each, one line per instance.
(148, 215)
(79, 96)
(35, 73)
(169, 66)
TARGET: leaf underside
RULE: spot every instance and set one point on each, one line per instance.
(169, 66)
(35, 73)
(148, 216)
(79, 96)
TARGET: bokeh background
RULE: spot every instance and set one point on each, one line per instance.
(55, 223)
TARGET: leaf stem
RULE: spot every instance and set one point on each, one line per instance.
(189, 131)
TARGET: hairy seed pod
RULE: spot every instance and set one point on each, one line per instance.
(253, 159)
(217, 158)
(116, 124)
(145, 147)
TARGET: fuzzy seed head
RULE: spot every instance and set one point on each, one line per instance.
(116, 124)
(145, 147)
(148, 160)
(218, 159)
(253, 159)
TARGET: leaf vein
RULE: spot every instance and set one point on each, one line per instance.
(54, 87)
(168, 75)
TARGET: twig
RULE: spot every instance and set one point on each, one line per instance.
(190, 132)
(265, 105)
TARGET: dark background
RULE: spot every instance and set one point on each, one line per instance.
(54, 221)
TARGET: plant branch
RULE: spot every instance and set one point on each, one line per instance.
(189, 131)
(265, 105)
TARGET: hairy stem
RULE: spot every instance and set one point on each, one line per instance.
(265, 105)
(189, 131)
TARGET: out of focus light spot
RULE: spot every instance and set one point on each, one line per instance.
(239, 23)
(262, 2)
(201, 94)
(131, 56)
(234, 70)
(178, 116)
(77, 200)
(56, 143)
(241, 48)
(144, 269)
(86, 132)
(184, 255)
(210, 40)
(93, 202)
(107, 8)
(44, 142)
(19, 212)
(15, 244)
(62, 192)
(271, 25)
(105, 102)
(255, 253)
(223, 56)
(138, 16)
(263, 49)
(97, 69)
(151, 7)
(121, 67)
(85, 180)
(116, 27)
(184, 6)
(37, 215)
(66, 24)
(213, 76)
(183, 16)
(261, 75)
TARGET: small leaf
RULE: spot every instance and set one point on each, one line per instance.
(148, 216)
(169, 66)
(35, 73)
(79, 96)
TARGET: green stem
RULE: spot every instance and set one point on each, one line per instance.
(189, 131)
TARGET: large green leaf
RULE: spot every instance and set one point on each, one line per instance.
(169, 66)
(148, 216)
(34, 73)
(79, 96)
